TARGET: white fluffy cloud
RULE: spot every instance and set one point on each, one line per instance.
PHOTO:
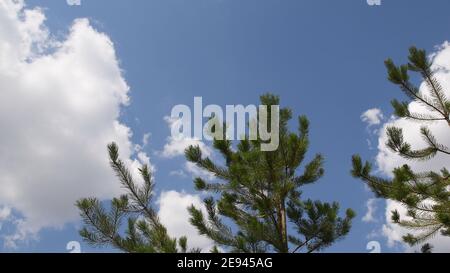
(387, 160)
(175, 216)
(60, 102)
(372, 116)
(394, 233)
(198, 172)
(176, 146)
(371, 208)
(5, 212)
(178, 173)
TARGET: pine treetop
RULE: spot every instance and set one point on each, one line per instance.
(259, 192)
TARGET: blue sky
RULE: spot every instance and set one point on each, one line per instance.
(323, 58)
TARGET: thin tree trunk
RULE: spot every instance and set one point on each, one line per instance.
(283, 227)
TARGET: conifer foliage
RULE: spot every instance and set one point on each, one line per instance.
(426, 248)
(142, 231)
(425, 195)
(256, 206)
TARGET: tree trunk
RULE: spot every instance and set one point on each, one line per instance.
(283, 227)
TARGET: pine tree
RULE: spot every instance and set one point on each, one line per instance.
(426, 248)
(259, 195)
(425, 195)
(143, 231)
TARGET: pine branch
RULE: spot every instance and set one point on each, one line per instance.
(104, 228)
(415, 191)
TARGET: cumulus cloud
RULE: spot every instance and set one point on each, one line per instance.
(371, 208)
(387, 160)
(5, 213)
(60, 103)
(174, 215)
(176, 145)
(372, 116)
(189, 169)
(198, 172)
(178, 173)
(394, 233)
